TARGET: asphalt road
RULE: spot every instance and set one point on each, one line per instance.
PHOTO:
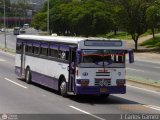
(144, 70)
(35, 102)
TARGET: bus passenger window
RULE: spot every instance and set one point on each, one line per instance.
(19, 47)
(64, 55)
(53, 53)
(30, 50)
(36, 50)
(44, 51)
(26, 48)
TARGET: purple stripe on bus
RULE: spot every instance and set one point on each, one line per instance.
(64, 48)
(41, 79)
(44, 45)
(54, 46)
(36, 44)
(29, 44)
(96, 90)
(18, 71)
(19, 41)
(45, 80)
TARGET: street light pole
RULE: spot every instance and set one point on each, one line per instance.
(48, 18)
(4, 19)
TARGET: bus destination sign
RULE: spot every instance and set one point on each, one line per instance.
(103, 43)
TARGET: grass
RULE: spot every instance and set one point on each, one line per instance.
(120, 35)
(7, 50)
(152, 43)
(124, 35)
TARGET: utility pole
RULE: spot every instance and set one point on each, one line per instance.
(4, 23)
(48, 18)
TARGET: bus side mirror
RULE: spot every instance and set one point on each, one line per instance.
(131, 56)
(78, 53)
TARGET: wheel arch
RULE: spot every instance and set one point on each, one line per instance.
(61, 78)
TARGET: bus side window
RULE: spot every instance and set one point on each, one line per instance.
(19, 47)
(26, 49)
(44, 51)
(53, 53)
(30, 49)
(36, 50)
(64, 55)
(53, 50)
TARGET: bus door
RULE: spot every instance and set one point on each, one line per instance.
(72, 68)
(23, 60)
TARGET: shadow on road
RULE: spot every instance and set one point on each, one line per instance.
(98, 100)
(91, 99)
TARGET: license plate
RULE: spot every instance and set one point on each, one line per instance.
(103, 90)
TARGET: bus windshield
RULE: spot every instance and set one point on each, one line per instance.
(103, 58)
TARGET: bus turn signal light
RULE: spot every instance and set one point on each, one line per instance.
(83, 82)
(120, 82)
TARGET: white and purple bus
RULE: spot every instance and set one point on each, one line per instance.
(77, 65)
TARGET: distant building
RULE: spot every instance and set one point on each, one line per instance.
(36, 4)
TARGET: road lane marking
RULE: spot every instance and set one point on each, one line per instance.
(148, 61)
(16, 83)
(8, 53)
(143, 89)
(152, 107)
(135, 70)
(87, 113)
(157, 67)
(2, 60)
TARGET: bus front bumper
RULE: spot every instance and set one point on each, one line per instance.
(91, 90)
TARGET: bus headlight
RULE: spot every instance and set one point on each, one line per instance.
(120, 82)
(83, 82)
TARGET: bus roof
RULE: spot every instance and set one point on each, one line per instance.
(63, 39)
(51, 38)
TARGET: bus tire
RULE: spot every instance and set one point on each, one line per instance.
(63, 88)
(28, 76)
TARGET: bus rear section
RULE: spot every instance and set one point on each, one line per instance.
(101, 72)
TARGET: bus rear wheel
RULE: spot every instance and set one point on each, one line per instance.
(63, 89)
(28, 76)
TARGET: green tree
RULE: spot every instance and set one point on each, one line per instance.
(39, 22)
(153, 16)
(133, 18)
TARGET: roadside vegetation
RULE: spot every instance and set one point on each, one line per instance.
(120, 35)
(100, 17)
(152, 43)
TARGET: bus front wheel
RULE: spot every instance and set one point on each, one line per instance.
(28, 76)
(63, 89)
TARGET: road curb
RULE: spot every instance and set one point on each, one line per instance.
(8, 50)
(143, 80)
(143, 86)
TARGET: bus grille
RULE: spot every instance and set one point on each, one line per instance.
(102, 82)
(102, 73)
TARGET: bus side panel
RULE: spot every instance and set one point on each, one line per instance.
(18, 65)
(45, 80)
(46, 72)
